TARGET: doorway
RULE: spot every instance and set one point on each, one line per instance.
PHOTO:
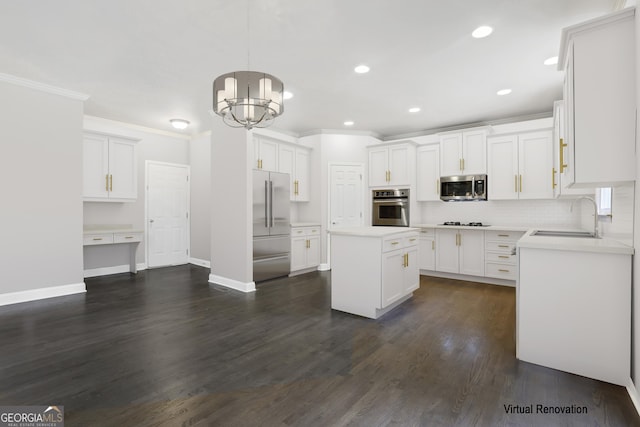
(167, 214)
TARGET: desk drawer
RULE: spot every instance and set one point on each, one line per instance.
(97, 239)
(127, 237)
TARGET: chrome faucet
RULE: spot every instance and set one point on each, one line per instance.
(595, 212)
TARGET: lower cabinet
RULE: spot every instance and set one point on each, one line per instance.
(427, 252)
(500, 257)
(305, 248)
(400, 272)
(460, 251)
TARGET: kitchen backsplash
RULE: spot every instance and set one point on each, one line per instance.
(526, 213)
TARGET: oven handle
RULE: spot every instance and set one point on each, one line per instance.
(397, 201)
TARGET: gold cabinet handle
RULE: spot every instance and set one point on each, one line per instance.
(521, 183)
(463, 164)
(503, 256)
(516, 182)
(503, 246)
(97, 238)
(504, 271)
(553, 178)
(460, 164)
(395, 243)
(110, 182)
(128, 237)
(412, 240)
(106, 185)
(433, 245)
(503, 235)
(308, 244)
(562, 146)
(299, 231)
(437, 186)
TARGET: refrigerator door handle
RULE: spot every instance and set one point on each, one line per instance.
(271, 203)
(266, 207)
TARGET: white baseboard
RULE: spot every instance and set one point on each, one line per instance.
(303, 271)
(42, 293)
(233, 284)
(200, 262)
(633, 394)
(480, 279)
(116, 269)
(141, 266)
(324, 267)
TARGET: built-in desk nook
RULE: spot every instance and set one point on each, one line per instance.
(110, 249)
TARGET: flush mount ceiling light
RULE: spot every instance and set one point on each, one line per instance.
(248, 99)
(348, 123)
(503, 92)
(179, 123)
(361, 69)
(551, 61)
(287, 95)
(414, 109)
(482, 32)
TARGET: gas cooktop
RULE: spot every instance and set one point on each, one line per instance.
(469, 224)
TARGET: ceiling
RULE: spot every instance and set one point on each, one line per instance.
(147, 61)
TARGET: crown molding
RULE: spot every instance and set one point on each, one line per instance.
(340, 132)
(134, 127)
(42, 87)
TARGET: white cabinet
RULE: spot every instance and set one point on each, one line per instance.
(427, 249)
(295, 161)
(598, 58)
(265, 152)
(500, 257)
(463, 153)
(305, 248)
(383, 274)
(460, 251)
(110, 168)
(520, 166)
(428, 173)
(391, 165)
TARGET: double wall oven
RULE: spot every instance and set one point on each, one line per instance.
(390, 207)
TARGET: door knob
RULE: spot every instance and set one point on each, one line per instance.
(150, 220)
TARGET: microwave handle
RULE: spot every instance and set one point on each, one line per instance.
(473, 186)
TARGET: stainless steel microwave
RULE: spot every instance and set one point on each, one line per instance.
(463, 187)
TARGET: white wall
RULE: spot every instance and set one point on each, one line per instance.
(635, 316)
(41, 176)
(231, 224)
(200, 160)
(153, 145)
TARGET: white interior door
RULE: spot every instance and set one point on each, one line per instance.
(346, 207)
(167, 214)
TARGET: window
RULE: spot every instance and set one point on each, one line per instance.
(603, 199)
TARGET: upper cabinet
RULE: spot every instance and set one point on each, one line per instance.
(520, 166)
(463, 153)
(428, 173)
(391, 165)
(598, 58)
(266, 153)
(295, 161)
(109, 168)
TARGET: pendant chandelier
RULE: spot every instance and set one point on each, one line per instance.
(248, 99)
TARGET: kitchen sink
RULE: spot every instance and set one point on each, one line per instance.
(558, 233)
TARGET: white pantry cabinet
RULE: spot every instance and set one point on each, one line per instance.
(460, 251)
(295, 161)
(391, 165)
(305, 248)
(110, 168)
(428, 173)
(520, 166)
(265, 152)
(598, 58)
(463, 153)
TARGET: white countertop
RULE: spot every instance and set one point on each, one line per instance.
(109, 228)
(305, 224)
(488, 227)
(371, 231)
(577, 244)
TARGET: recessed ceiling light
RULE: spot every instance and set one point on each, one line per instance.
(551, 61)
(361, 69)
(414, 109)
(348, 123)
(179, 123)
(503, 92)
(287, 95)
(481, 32)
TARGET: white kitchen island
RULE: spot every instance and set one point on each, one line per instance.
(373, 269)
(573, 301)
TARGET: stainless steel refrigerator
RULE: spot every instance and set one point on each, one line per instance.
(271, 227)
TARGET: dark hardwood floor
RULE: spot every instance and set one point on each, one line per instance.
(165, 348)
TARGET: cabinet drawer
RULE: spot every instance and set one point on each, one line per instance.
(411, 240)
(392, 244)
(305, 231)
(97, 239)
(427, 232)
(502, 258)
(127, 237)
(506, 247)
(503, 235)
(501, 271)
